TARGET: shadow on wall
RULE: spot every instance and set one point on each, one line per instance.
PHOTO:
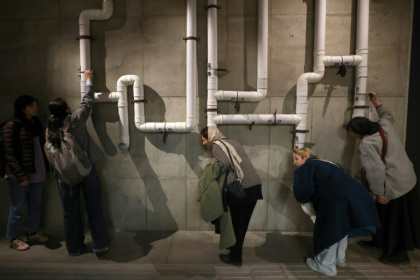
(130, 194)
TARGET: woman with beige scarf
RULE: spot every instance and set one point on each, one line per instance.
(249, 178)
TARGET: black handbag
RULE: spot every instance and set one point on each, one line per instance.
(234, 192)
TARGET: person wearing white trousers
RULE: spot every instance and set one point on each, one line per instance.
(326, 261)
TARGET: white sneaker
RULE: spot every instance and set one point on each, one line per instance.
(310, 263)
(342, 263)
(18, 245)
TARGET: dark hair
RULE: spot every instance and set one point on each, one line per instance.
(58, 110)
(21, 103)
(33, 125)
(205, 132)
(362, 126)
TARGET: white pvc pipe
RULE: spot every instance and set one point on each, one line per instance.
(361, 50)
(84, 30)
(349, 60)
(212, 79)
(258, 119)
(121, 96)
(261, 93)
(262, 47)
(315, 76)
(191, 85)
(230, 95)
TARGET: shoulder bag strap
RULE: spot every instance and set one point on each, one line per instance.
(230, 157)
(384, 144)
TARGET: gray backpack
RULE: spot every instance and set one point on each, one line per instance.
(71, 163)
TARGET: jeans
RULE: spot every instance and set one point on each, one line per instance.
(326, 260)
(73, 226)
(18, 195)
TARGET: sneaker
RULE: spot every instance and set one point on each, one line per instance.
(18, 245)
(342, 263)
(38, 237)
(101, 251)
(310, 263)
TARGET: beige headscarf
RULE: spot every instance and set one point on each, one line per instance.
(214, 134)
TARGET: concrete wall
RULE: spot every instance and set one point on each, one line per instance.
(153, 186)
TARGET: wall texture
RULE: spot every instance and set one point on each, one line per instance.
(153, 185)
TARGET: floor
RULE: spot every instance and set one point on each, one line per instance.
(191, 255)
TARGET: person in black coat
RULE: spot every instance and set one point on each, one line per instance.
(343, 206)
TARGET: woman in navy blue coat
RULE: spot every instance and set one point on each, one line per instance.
(344, 208)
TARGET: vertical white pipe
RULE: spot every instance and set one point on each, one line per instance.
(262, 44)
(362, 40)
(84, 30)
(191, 71)
(315, 76)
(212, 79)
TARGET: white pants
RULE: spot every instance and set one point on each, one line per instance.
(326, 260)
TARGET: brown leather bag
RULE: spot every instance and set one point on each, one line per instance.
(363, 177)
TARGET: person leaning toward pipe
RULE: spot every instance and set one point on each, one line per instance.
(343, 208)
(61, 115)
(392, 181)
(25, 170)
(240, 213)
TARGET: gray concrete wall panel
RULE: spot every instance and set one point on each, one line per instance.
(153, 185)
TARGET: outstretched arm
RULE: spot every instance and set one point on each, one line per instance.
(383, 112)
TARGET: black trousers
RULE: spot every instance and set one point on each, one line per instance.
(241, 215)
(400, 222)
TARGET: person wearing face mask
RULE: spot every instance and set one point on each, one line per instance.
(343, 206)
(25, 170)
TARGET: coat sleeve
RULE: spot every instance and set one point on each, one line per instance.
(10, 135)
(82, 114)
(304, 183)
(385, 115)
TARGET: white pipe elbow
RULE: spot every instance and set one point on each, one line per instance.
(97, 14)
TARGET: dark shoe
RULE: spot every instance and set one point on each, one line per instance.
(101, 251)
(229, 260)
(75, 254)
(368, 244)
(395, 259)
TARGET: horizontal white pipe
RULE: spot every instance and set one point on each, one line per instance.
(349, 60)
(252, 96)
(258, 119)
